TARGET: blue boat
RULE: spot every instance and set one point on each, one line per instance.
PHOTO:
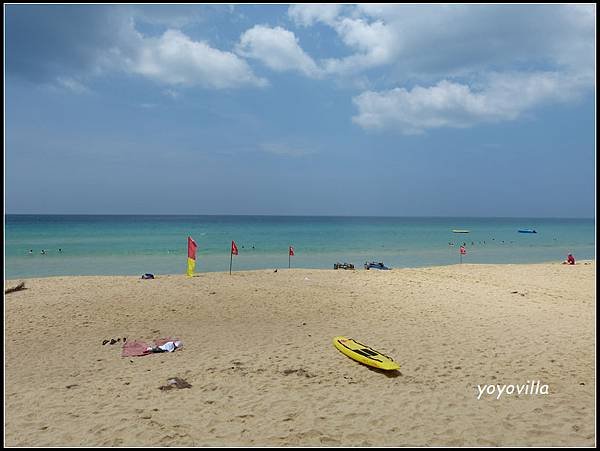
(374, 265)
(527, 231)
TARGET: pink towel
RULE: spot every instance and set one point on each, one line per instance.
(137, 348)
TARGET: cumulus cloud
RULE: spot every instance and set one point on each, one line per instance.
(308, 14)
(505, 96)
(371, 40)
(373, 43)
(176, 59)
(458, 40)
(510, 59)
(62, 44)
(278, 49)
(436, 41)
(437, 65)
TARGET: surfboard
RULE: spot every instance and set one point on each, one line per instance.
(364, 354)
(460, 231)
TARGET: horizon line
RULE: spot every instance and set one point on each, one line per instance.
(297, 215)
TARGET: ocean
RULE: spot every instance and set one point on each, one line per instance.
(134, 245)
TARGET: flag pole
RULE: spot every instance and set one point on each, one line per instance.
(289, 260)
(230, 261)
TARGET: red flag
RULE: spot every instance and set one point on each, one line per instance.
(192, 246)
(191, 261)
(234, 250)
(463, 251)
(291, 250)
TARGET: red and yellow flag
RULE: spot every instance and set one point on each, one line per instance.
(192, 246)
(234, 250)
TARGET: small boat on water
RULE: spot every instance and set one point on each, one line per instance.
(527, 231)
(375, 265)
(460, 231)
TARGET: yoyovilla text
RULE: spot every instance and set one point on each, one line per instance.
(497, 390)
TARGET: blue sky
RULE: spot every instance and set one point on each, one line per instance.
(442, 110)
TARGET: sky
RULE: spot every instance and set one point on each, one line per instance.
(332, 109)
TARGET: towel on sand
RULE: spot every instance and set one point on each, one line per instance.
(137, 348)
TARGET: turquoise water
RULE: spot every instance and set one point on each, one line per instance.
(158, 244)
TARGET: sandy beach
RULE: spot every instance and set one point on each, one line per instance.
(259, 357)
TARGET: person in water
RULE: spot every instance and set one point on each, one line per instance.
(570, 260)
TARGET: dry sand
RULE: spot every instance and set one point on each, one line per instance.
(259, 357)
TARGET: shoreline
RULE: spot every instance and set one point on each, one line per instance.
(258, 354)
(260, 270)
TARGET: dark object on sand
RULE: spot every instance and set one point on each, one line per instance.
(175, 382)
(19, 287)
(343, 266)
(148, 276)
(375, 265)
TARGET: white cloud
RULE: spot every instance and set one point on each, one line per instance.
(374, 44)
(175, 59)
(278, 49)
(511, 59)
(429, 42)
(308, 14)
(458, 40)
(73, 85)
(448, 104)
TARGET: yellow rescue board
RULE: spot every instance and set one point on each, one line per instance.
(364, 354)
